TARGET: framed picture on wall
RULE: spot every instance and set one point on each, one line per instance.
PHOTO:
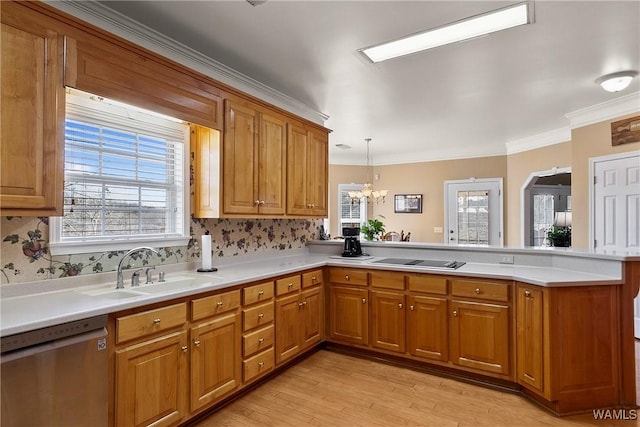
(407, 203)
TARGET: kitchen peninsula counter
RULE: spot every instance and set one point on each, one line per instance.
(32, 305)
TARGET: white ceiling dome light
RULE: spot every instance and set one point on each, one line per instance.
(616, 82)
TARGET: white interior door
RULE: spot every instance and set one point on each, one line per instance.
(616, 215)
(473, 212)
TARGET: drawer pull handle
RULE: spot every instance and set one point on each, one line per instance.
(156, 321)
(478, 291)
(412, 308)
(400, 306)
(290, 285)
(364, 300)
(260, 340)
(346, 277)
(196, 343)
(261, 364)
(184, 348)
(260, 293)
(260, 316)
(527, 294)
(219, 304)
(455, 313)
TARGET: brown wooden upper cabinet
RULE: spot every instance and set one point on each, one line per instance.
(254, 160)
(307, 169)
(32, 138)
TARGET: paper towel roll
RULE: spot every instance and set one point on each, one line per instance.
(206, 251)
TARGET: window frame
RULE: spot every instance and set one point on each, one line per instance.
(363, 205)
(181, 237)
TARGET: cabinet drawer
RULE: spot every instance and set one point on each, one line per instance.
(257, 316)
(387, 280)
(494, 291)
(259, 340)
(210, 306)
(428, 284)
(312, 278)
(348, 276)
(257, 293)
(257, 365)
(149, 322)
(288, 284)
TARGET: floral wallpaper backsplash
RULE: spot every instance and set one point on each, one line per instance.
(25, 256)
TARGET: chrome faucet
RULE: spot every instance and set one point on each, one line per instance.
(120, 280)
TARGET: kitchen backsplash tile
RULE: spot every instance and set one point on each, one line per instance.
(25, 256)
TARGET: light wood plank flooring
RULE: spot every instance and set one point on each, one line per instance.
(330, 389)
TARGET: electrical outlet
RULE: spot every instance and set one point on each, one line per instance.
(437, 229)
(506, 259)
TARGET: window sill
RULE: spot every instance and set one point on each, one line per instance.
(85, 246)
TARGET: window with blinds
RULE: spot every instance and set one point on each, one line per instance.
(124, 175)
(350, 214)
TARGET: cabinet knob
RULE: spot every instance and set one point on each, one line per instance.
(260, 293)
(364, 300)
(260, 340)
(412, 308)
(290, 285)
(313, 205)
(527, 294)
(299, 305)
(262, 202)
(455, 313)
(346, 277)
(156, 321)
(257, 202)
(261, 364)
(260, 315)
(478, 291)
(219, 303)
(314, 278)
(400, 306)
(184, 348)
(196, 343)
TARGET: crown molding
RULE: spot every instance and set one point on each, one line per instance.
(608, 110)
(116, 23)
(540, 140)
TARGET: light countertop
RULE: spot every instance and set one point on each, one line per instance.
(25, 307)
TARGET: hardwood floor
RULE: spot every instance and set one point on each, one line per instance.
(330, 389)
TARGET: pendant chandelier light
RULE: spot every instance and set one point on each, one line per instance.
(367, 190)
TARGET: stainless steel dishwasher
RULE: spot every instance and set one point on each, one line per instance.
(56, 376)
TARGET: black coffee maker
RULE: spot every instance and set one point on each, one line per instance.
(352, 246)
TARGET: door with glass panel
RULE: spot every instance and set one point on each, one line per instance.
(474, 212)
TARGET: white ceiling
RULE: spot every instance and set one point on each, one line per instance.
(463, 100)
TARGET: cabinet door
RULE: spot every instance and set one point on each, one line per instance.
(215, 359)
(311, 318)
(240, 159)
(388, 321)
(317, 175)
(287, 327)
(32, 119)
(428, 327)
(480, 336)
(272, 163)
(152, 382)
(297, 170)
(530, 338)
(348, 314)
(205, 145)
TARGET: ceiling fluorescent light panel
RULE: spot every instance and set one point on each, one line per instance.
(466, 29)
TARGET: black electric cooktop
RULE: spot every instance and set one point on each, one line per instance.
(427, 263)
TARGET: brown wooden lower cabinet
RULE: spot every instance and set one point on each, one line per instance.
(215, 359)
(428, 327)
(479, 336)
(531, 347)
(388, 322)
(349, 314)
(152, 382)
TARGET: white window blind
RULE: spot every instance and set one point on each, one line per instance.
(124, 174)
(350, 214)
